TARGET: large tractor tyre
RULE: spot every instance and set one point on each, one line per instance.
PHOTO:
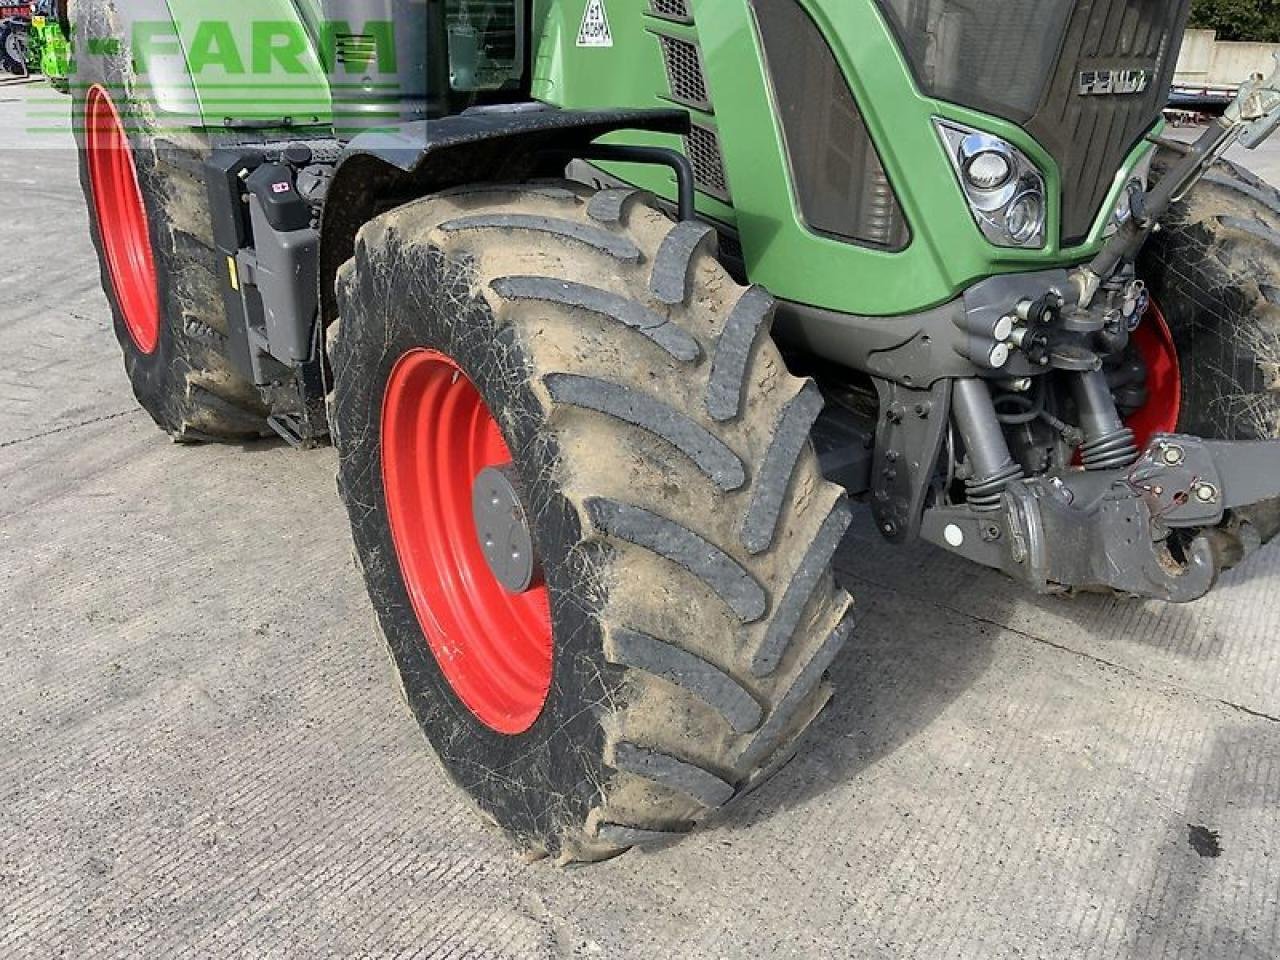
(542, 373)
(149, 220)
(13, 48)
(1211, 343)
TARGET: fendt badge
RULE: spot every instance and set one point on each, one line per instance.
(1104, 82)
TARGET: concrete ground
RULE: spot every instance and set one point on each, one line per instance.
(204, 754)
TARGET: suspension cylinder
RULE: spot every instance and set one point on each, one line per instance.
(993, 465)
(1108, 443)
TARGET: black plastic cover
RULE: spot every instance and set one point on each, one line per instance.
(840, 183)
(1090, 134)
(272, 184)
(224, 179)
(991, 55)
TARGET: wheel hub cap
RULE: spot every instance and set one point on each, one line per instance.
(503, 528)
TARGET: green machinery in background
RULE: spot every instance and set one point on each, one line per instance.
(50, 52)
(34, 40)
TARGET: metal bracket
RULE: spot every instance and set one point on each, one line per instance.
(1179, 480)
(909, 439)
(661, 156)
(1257, 109)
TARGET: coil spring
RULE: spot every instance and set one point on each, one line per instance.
(985, 494)
(1110, 452)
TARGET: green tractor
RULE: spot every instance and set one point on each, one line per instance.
(50, 52)
(612, 308)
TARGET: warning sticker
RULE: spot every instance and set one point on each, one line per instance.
(595, 26)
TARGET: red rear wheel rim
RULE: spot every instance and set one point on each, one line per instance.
(1164, 379)
(493, 647)
(122, 220)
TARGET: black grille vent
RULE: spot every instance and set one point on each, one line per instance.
(689, 86)
(684, 70)
(839, 179)
(677, 10)
(702, 146)
(1090, 135)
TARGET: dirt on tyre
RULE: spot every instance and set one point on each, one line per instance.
(148, 214)
(1212, 346)
(582, 355)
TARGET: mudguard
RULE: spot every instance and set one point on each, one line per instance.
(515, 142)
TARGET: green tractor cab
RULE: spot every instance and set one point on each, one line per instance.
(615, 310)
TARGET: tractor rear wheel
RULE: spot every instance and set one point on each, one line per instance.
(586, 506)
(1211, 344)
(148, 216)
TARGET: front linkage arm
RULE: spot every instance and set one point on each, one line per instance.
(1163, 527)
(1252, 117)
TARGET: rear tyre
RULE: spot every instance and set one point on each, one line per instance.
(661, 450)
(148, 217)
(13, 49)
(1214, 272)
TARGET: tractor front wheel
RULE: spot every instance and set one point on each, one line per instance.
(586, 507)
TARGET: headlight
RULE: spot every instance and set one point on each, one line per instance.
(1024, 219)
(1005, 190)
(988, 170)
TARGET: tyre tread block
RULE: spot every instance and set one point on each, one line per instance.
(704, 786)
(626, 835)
(751, 315)
(675, 542)
(772, 732)
(629, 313)
(690, 672)
(716, 461)
(804, 583)
(602, 241)
(773, 479)
(672, 275)
(610, 206)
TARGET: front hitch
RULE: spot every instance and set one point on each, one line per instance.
(1165, 527)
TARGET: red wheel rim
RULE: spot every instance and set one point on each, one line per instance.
(493, 647)
(1164, 379)
(122, 220)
